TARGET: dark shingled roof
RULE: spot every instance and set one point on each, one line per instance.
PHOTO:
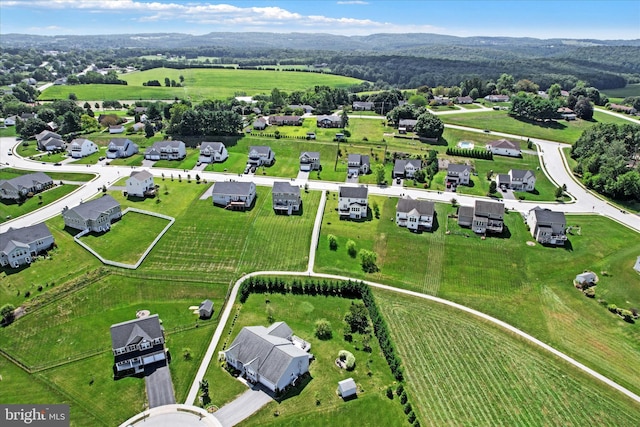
(134, 331)
(485, 208)
(547, 216)
(260, 149)
(94, 208)
(120, 142)
(141, 175)
(354, 192)
(28, 180)
(285, 187)
(23, 235)
(520, 173)
(424, 207)
(234, 188)
(458, 168)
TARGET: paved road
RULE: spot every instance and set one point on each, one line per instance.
(159, 386)
(242, 407)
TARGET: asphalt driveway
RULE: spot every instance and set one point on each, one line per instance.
(243, 407)
(159, 385)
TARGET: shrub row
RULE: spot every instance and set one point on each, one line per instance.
(344, 289)
(476, 153)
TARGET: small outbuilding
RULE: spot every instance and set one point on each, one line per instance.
(636, 267)
(206, 309)
(347, 388)
(587, 278)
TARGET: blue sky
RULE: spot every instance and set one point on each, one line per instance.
(541, 19)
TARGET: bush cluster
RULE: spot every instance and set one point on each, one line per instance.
(476, 153)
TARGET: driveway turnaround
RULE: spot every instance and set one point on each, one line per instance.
(159, 386)
(242, 407)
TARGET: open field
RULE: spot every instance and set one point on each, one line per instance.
(300, 312)
(629, 90)
(200, 84)
(496, 378)
(118, 245)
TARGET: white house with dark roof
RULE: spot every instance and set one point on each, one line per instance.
(329, 121)
(19, 246)
(49, 141)
(458, 174)
(485, 217)
(504, 147)
(140, 184)
(547, 226)
(309, 161)
(271, 356)
(416, 215)
(82, 147)
(166, 150)
(406, 168)
(212, 152)
(116, 129)
(121, 148)
(353, 202)
(95, 215)
(464, 100)
(137, 343)
(18, 187)
(517, 180)
(362, 106)
(260, 155)
(358, 164)
(285, 120)
(233, 194)
(286, 197)
(307, 109)
(406, 125)
(497, 98)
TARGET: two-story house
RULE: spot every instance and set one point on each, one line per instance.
(547, 227)
(331, 121)
(358, 164)
(120, 148)
(260, 155)
(309, 161)
(49, 141)
(406, 168)
(19, 246)
(458, 174)
(211, 152)
(485, 217)
(82, 147)
(286, 197)
(166, 150)
(140, 184)
(517, 180)
(95, 215)
(19, 187)
(353, 202)
(416, 215)
(135, 344)
(234, 195)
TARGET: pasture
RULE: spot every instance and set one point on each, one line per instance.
(496, 378)
(200, 84)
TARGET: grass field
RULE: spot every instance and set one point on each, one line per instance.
(300, 312)
(117, 244)
(11, 210)
(200, 84)
(463, 371)
(629, 90)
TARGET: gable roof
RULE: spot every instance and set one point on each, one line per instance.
(16, 236)
(213, 146)
(465, 213)
(262, 150)
(504, 143)
(547, 216)
(285, 187)
(94, 208)
(133, 331)
(422, 207)
(232, 188)
(354, 192)
(486, 208)
(520, 174)
(407, 122)
(312, 155)
(454, 167)
(120, 142)
(141, 175)
(45, 134)
(27, 181)
(359, 159)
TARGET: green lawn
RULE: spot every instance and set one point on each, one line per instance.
(118, 245)
(11, 210)
(464, 369)
(8, 131)
(629, 90)
(300, 312)
(200, 84)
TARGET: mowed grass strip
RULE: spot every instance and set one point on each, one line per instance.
(463, 371)
(11, 210)
(128, 238)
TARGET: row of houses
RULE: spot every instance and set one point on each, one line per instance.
(19, 187)
(322, 121)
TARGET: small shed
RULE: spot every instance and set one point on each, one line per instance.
(347, 388)
(206, 309)
(586, 278)
(637, 266)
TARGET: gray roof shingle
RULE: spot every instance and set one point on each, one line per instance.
(232, 187)
(354, 192)
(94, 208)
(134, 331)
(23, 235)
(424, 207)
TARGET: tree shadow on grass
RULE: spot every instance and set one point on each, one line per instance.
(294, 391)
(551, 124)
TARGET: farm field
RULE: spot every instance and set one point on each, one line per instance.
(118, 245)
(496, 378)
(301, 312)
(200, 84)
(632, 89)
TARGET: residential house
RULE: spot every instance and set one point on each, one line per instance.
(211, 152)
(19, 187)
(49, 141)
(567, 113)
(52, 126)
(260, 123)
(347, 388)
(416, 215)
(272, 356)
(285, 120)
(406, 168)
(19, 246)
(27, 116)
(485, 217)
(137, 343)
(622, 108)
(205, 310)
(406, 125)
(10, 121)
(358, 164)
(166, 150)
(504, 147)
(120, 148)
(353, 202)
(497, 98)
(140, 110)
(588, 278)
(286, 197)
(82, 147)
(309, 161)
(137, 127)
(140, 184)
(116, 129)
(362, 106)
(464, 100)
(331, 121)
(308, 109)
(95, 215)
(458, 175)
(234, 195)
(440, 100)
(517, 180)
(260, 155)
(547, 226)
